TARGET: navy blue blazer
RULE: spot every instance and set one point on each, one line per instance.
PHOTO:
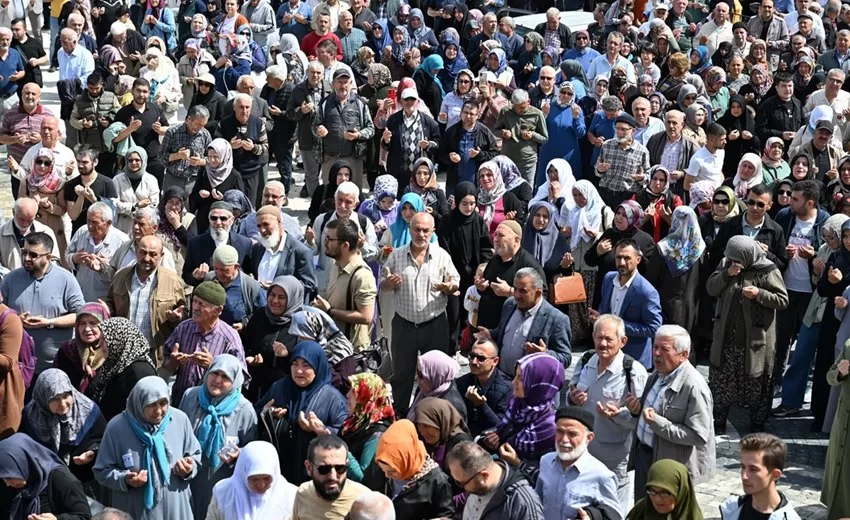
(200, 250)
(641, 310)
(498, 392)
(297, 261)
(550, 325)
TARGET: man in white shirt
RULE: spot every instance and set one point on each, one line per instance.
(707, 163)
(278, 253)
(716, 30)
(792, 18)
(604, 63)
(75, 61)
(63, 157)
(833, 95)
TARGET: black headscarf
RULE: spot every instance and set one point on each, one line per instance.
(723, 55)
(465, 237)
(327, 191)
(572, 69)
(23, 458)
(743, 122)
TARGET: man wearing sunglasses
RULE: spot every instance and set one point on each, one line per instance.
(757, 224)
(486, 390)
(328, 494)
(582, 52)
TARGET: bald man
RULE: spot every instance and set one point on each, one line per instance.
(13, 232)
(274, 194)
(11, 66)
(716, 30)
(76, 23)
(372, 506)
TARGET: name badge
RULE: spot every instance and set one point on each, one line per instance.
(127, 458)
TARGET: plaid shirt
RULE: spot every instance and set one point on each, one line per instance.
(623, 164)
(140, 310)
(177, 137)
(415, 299)
(653, 399)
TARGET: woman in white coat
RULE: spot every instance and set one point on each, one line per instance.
(136, 188)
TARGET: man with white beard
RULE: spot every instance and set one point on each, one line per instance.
(278, 253)
(571, 479)
(200, 249)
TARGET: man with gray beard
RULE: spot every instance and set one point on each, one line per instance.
(199, 250)
(278, 253)
(569, 494)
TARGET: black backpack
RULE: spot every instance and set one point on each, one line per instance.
(628, 361)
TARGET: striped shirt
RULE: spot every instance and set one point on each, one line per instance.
(140, 310)
(416, 300)
(653, 399)
(221, 339)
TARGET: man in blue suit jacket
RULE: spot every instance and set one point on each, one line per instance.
(199, 250)
(296, 259)
(529, 324)
(631, 297)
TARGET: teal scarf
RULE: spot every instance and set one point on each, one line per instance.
(154, 448)
(211, 431)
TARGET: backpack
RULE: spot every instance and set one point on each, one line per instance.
(26, 357)
(628, 361)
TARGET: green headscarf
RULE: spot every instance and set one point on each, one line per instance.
(672, 477)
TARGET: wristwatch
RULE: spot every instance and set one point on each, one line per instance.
(50, 323)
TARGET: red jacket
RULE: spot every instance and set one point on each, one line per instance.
(312, 40)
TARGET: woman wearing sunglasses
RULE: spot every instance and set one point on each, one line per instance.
(781, 196)
(44, 184)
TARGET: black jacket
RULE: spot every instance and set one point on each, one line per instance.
(498, 392)
(563, 34)
(297, 261)
(395, 124)
(482, 137)
(776, 116)
(514, 499)
(114, 400)
(63, 498)
(216, 105)
(91, 441)
(200, 250)
(304, 131)
(770, 234)
(429, 497)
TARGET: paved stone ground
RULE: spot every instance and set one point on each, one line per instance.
(806, 451)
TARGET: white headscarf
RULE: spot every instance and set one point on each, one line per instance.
(235, 499)
(590, 216)
(566, 179)
(742, 187)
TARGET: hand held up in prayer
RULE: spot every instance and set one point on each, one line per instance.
(473, 394)
(604, 246)
(834, 275)
(175, 314)
(649, 414)
(137, 479)
(844, 367)
(633, 403)
(501, 288)
(508, 454)
(840, 302)
(179, 357)
(84, 458)
(203, 358)
(577, 397)
(201, 271)
(183, 467)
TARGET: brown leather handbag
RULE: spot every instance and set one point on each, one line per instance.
(568, 289)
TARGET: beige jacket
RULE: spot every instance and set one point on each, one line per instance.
(10, 253)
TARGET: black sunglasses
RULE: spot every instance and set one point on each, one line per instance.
(326, 468)
(480, 357)
(757, 203)
(218, 218)
(722, 202)
(784, 192)
(43, 162)
(32, 255)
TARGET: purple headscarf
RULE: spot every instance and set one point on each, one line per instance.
(439, 370)
(529, 423)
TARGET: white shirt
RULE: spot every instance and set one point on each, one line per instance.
(797, 275)
(619, 293)
(715, 34)
(817, 24)
(268, 264)
(706, 166)
(601, 65)
(62, 155)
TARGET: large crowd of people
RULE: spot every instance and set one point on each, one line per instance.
(666, 188)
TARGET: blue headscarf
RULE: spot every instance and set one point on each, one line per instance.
(417, 36)
(401, 229)
(211, 431)
(398, 49)
(452, 67)
(386, 40)
(704, 62)
(432, 62)
(23, 458)
(296, 399)
(147, 391)
(503, 60)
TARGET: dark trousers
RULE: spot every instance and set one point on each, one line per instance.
(408, 340)
(788, 324)
(251, 183)
(643, 458)
(283, 155)
(614, 198)
(824, 360)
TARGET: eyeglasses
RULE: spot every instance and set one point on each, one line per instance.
(550, 78)
(481, 358)
(43, 162)
(784, 192)
(32, 255)
(217, 218)
(340, 469)
(757, 203)
(721, 202)
(467, 481)
(464, 81)
(409, 99)
(660, 494)
(581, 38)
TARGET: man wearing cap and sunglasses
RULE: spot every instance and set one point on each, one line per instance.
(582, 52)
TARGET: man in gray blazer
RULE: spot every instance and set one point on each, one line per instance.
(675, 412)
(529, 324)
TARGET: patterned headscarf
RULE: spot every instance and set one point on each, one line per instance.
(486, 198)
(58, 430)
(381, 76)
(313, 323)
(372, 403)
(125, 344)
(49, 182)
(683, 246)
(701, 191)
(533, 416)
(634, 214)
